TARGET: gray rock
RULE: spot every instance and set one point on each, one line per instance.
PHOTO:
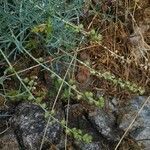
(29, 124)
(105, 124)
(79, 119)
(90, 146)
(8, 141)
(141, 127)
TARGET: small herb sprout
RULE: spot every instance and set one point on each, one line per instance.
(9, 70)
(40, 59)
(95, 37)
(77, 133)
(31, 84)
(118, 81)
(99, 102)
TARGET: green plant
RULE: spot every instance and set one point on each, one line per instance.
(89, 97)
(67, 93)
(118, 81)
(18, 18)
(77, 133)
(95, 36)
(59, 29)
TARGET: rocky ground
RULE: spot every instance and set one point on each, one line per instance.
(22, 127)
